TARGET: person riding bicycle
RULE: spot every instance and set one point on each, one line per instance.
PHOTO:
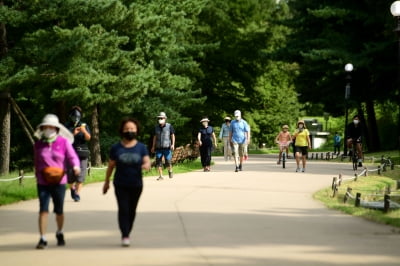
(354, 134)
(283, 140)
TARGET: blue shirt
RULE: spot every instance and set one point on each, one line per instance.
(128, 164)
(238, 130)
(224, 131)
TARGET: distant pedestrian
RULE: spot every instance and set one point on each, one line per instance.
(52, 153)
(206, 138)
(81, 132)
(302, 144)
(224, 136)
(336, 143)
(128, 157)
(163, 144)
(239, 136)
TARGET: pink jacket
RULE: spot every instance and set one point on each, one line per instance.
(59, 153)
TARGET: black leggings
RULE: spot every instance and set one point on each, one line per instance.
(127, 199)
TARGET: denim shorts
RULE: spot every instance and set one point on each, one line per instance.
(56, 192)
(167, 153)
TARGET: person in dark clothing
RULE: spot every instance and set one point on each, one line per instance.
(354, 134)
(128, 157)
(206, 137)
(81, 132)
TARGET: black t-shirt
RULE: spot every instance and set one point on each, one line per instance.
(79, 139)
(206, 133)
(353, 131)
(128, 170)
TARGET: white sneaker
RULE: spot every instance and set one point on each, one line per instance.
(303, 169)
(125, 242)
(297, 169)
(160, 178)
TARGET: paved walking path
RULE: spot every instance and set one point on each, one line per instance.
(264, 215)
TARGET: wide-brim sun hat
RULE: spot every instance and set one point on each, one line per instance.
(285, 126)
(162, 115)
(227, 118)
(52, 120)
(204, 120)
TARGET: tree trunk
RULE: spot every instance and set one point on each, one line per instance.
(374, 144)
(5, 120)
(95, 140)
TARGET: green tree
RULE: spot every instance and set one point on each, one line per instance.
(329, 34)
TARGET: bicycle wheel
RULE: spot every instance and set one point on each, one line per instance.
(283, 160)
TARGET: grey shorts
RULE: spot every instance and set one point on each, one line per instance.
(81, 178)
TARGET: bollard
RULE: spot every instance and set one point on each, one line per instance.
(382, 159)
(386, 203)
(340, 179)
(365, 171)
(322, 156)
(312, 156)
(316, 156)
(358, 199)
(355, 177)
(379, 170)
(21, 174)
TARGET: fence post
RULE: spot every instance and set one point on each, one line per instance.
(355, 177)
(316, 156)
(379, 170)
(386, 203)
(89, 167)
(21, 174)
(358, 199)
(398, 184)
(334, 182)
(365, 171)
(340, 179)
(346, 196)
(384, 167)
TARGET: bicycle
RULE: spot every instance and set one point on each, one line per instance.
(354, 154)
(283, 146)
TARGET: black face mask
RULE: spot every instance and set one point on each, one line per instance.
(129, 135)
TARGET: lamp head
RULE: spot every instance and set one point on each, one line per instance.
(349, 67)
(395, 9)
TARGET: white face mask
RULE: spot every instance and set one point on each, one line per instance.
(355, 121)
(161, 121)
(49, 133)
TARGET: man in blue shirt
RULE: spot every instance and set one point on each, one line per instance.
(239, 136)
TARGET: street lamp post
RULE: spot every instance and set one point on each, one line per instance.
(348, 68)
(395, 10)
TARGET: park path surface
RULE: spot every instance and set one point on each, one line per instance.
(264, 215)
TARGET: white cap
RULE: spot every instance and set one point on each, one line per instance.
(237, 113)
(162, 115)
